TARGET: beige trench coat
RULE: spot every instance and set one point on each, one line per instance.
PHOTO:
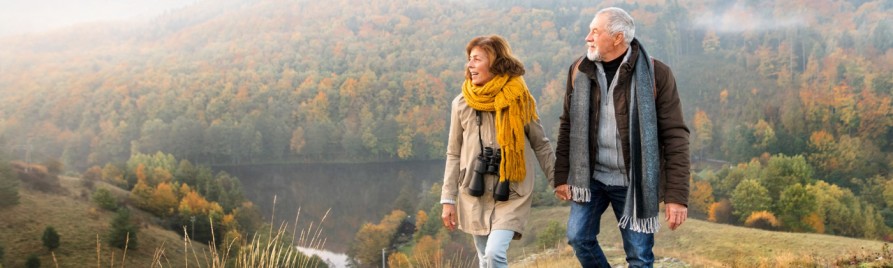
(479, 215)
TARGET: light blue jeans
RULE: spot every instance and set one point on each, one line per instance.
(491, 248)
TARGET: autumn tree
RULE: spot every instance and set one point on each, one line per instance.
(703, 133)
(701, 197)
(720, 212)
(163, 200)
(371, 238)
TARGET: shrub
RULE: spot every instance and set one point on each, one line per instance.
(550, 236)
(32, 262)
(103, 198)
(762, 220)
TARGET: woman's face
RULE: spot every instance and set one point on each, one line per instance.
(479, 66)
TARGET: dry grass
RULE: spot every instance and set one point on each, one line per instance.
(79, 225)
(82, 228)
(704, 244)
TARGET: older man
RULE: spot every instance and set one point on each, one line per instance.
(622, 142)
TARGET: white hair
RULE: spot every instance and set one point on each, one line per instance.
(619, 22)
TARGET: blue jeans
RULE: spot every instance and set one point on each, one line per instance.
(491, 248)
(584, 223)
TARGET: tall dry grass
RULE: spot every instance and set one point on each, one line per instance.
(272, 249)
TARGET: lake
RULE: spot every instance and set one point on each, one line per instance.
(352, 193)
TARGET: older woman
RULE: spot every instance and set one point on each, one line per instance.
(493, 123)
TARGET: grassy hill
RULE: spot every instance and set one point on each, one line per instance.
(78, 223)
(704, 244)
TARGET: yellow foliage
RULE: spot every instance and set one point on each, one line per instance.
(420, 219)
(399, 260)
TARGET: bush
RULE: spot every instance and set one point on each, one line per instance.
(550, 236)
(103, 198)
(32, 262)
(50, 238)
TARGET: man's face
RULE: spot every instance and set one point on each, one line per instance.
(599, 40)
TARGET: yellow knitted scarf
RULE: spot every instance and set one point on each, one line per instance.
(514, 107)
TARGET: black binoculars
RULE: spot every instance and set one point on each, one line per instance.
(488, 163)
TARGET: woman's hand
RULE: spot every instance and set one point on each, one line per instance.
(449, 216)
(563, 192)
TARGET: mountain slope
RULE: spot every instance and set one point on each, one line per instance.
(78, 223)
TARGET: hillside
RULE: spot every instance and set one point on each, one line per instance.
(78, 223)
(704, 244)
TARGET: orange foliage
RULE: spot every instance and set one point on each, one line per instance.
(194, 204)
(763, 220)
(720, 212)
(815, 221)
(163, 200)
(701, 199)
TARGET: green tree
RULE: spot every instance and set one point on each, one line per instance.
(123, 233)
(795, 205)
(749, 197)
(782, 171)
(50, 238)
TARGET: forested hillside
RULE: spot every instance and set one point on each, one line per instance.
(806, 83)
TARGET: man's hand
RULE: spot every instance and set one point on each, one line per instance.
(676, 215)
(563, 192)
(449, 216)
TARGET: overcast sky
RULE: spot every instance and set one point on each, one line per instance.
(27, 16)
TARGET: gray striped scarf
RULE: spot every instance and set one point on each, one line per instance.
(640, 213)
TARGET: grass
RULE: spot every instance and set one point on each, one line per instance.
(82, 228)
(79, 224)
(704, 244)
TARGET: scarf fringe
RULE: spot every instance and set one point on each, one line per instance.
(579, 194)
(647, 225)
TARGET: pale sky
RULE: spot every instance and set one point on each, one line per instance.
(29, 16)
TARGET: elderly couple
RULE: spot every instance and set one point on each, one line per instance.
(622, 141)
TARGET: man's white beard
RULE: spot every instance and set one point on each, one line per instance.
(593, 55)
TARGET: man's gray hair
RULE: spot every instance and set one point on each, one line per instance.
(619, 22)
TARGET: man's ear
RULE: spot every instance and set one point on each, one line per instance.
(618, 38)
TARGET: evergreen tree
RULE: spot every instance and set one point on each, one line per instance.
(123, 232)
(50, 238)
